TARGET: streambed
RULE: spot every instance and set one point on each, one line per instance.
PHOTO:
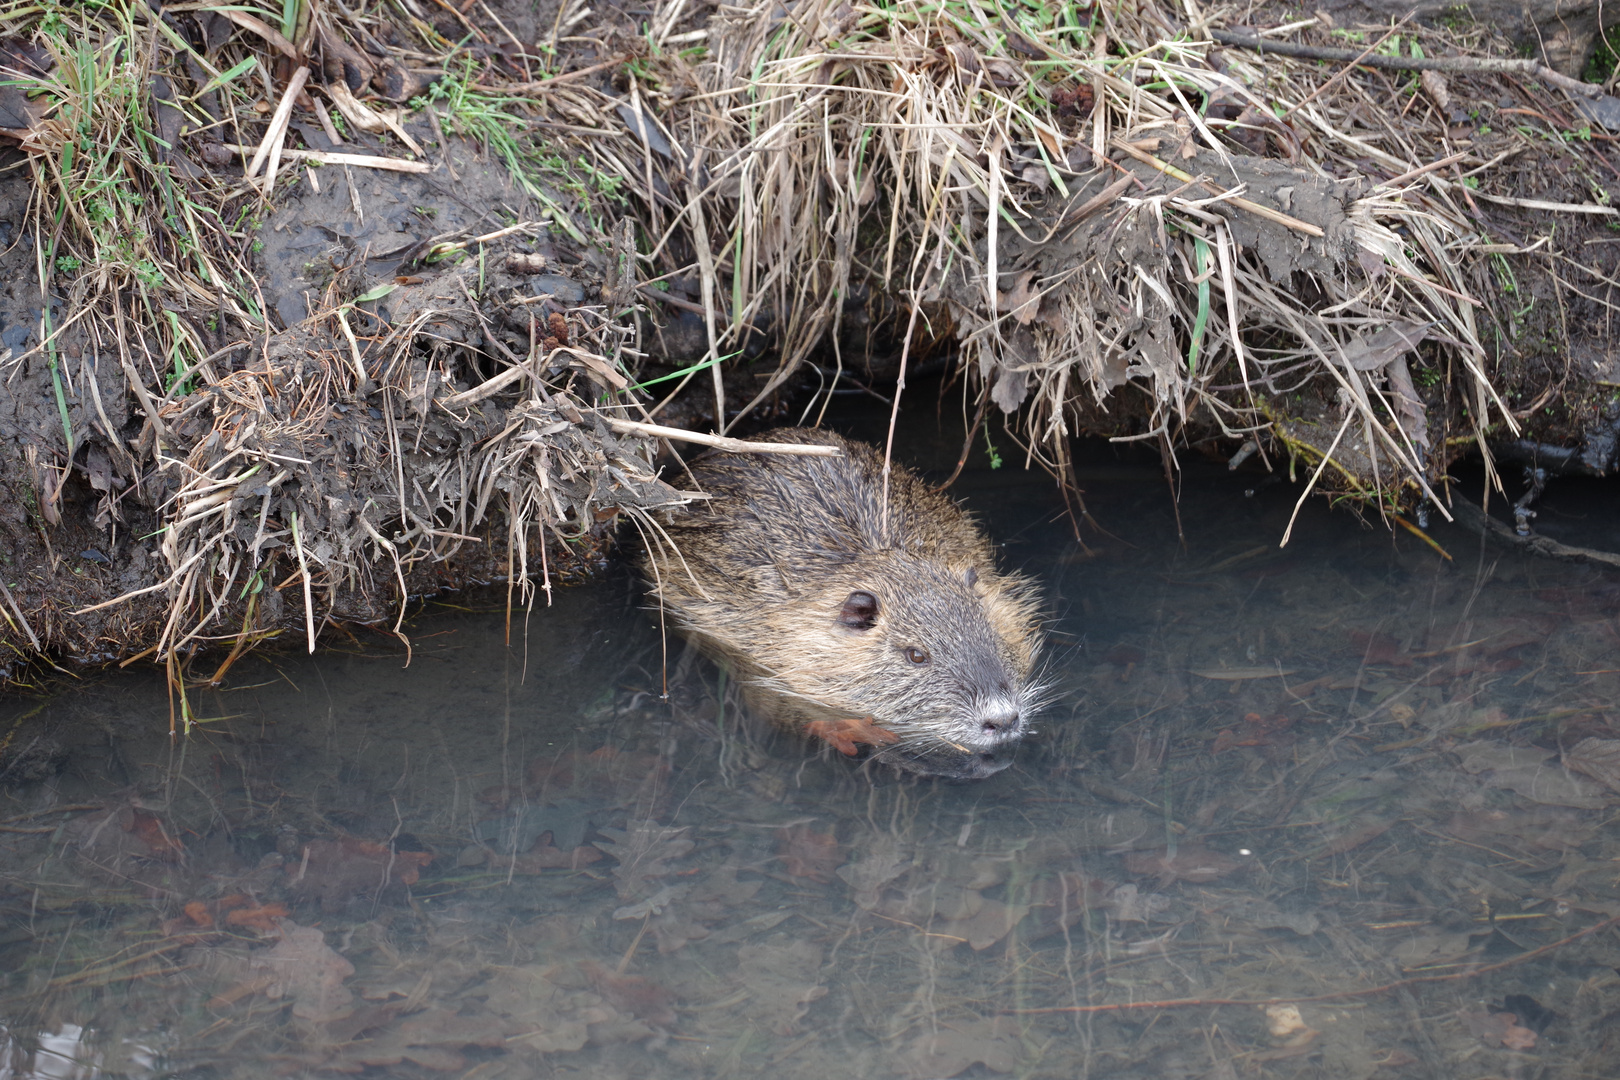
(1350, 778)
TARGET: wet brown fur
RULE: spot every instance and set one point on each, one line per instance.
(758, 577)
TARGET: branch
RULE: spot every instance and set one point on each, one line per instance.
(1489, 64)
(719, 442)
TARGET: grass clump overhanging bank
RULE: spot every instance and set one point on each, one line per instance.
(294, 351)
(1131, 228)
(224, 433)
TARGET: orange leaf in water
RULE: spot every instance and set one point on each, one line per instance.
(334, 870)
(1379, 648)
(194, 922)
(1257, 730)
(405, 867)
(262, 918)
(845, 735)
(1499, 1028)
(148, 828)
(634, 994)
(808, 854)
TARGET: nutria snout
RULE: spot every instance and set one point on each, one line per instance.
(884, 627)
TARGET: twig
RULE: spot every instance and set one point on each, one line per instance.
(12, 603)
(718, 442)
(51, 338)
(325, 118)
(1413, 174)
(1354, 60)
(68, 808)
(439, 250)
(303, 572)
(133, 593)
(1542, 204)
(260, 27)
(487, 388)
(1489, 64)
(967, 443)
(106, 970)
(1336, 995)
(547, 84)
(1236, 200)
(278, 122)
(366, 161)
(900, 384)
(1317, 475)
(1103, 198)
(1477, 521)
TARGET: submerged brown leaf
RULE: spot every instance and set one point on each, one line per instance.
(1597, 758)
(332, 871)
(301, 966)
(783, 978)
(1530, 772)
(634, 994)
(644, 851)
(951, 1048)
(807, 853)
(1499, 1029)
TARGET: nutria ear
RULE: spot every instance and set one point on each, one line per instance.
(859, 612)
(972, 576)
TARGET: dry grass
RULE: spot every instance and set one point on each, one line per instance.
(1096, 208)
(298, 472)
(1106, 216)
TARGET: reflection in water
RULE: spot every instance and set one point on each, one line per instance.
(64, 1055)
(1350, 785)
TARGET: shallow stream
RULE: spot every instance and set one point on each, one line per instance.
(1342, 809)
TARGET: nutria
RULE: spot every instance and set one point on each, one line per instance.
(897, 634)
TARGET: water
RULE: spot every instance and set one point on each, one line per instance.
(1325, 791)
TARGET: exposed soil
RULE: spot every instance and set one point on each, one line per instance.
(371, 417)
(84, 540)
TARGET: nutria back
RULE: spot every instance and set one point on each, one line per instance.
(889, 629)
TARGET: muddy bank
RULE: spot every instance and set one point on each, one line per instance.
(1364, 272)
(321, 472)
(241, 407)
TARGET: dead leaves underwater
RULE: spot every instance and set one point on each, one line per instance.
(601, 911)
(1127, 224)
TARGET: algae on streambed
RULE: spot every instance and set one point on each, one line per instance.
(1314, 812)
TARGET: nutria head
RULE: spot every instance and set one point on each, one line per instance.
(939, 657)
(855, 604)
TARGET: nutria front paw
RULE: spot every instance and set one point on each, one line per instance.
(844, 735)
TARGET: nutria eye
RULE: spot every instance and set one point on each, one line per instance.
(915, 655)
(860, 611)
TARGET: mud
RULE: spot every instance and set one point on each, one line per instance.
(79, 533)
(358, 423)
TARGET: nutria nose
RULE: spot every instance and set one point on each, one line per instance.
(1001, 724)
